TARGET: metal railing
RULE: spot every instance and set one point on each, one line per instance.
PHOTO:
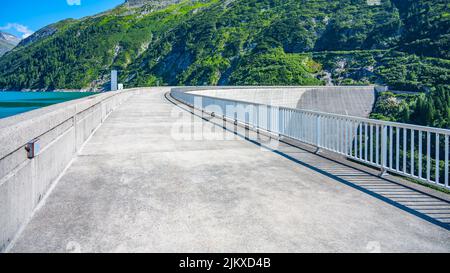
(408, 150)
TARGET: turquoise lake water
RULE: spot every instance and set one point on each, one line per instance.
(13, 103)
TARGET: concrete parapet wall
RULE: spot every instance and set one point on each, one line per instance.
(61, 131)
(344, 100)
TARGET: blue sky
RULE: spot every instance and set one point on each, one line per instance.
(23, 17)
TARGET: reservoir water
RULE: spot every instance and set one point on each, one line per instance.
(13, 103)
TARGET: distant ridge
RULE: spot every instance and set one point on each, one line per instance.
(7, 42)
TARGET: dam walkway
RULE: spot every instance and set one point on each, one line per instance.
(142, 184)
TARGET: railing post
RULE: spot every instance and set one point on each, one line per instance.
(318, 131)
(384, 150)
(446, 161)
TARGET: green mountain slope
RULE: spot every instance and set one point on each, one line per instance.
(403, 43)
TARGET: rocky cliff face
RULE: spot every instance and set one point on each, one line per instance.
(138, 3)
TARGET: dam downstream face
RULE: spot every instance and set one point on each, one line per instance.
(343, 100)
(137, 187)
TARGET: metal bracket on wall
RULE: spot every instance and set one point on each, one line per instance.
(32, 148)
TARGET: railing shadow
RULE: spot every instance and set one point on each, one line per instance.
(420, 204)
(399, 195)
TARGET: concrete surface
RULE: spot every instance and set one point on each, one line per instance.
(355, 101)
(141, 184)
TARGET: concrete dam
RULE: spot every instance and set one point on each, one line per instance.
(229, 169)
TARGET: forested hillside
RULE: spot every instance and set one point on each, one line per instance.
(401, 43)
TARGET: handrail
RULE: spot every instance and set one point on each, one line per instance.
(375, 121)
(408, 150)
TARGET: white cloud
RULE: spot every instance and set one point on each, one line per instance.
(73, 2)
(19, 28)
